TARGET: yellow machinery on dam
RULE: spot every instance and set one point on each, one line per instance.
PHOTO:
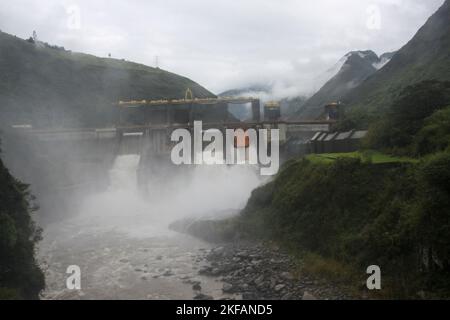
(145, 126)
(159, 117)
(183, 111)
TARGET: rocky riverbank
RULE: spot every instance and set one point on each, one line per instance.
(256, 271)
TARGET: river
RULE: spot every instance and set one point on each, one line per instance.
(121, 241)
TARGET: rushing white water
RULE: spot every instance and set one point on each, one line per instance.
(121, 241)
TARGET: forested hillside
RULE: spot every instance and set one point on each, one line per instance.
(48, 86)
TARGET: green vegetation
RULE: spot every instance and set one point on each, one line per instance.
(435, 133)
(385, 205)
(356, 214)
(370, 156)
(49, 86)
(20, 276)
(327, 269)
(414, 121)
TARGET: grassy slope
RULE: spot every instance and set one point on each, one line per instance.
(47, 84)
(374, 157)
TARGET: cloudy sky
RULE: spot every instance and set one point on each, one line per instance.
(223, 44)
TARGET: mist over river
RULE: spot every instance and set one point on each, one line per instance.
(121, 241)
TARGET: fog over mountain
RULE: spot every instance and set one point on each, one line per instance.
(355, 67)
(222, 44)
(346, 74)
(424, 57)
(37, 83)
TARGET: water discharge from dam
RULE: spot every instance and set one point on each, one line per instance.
(120, 237)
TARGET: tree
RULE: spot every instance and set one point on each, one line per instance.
(435, 134)
(397, 129)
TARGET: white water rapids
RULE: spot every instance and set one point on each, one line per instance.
(121, 242)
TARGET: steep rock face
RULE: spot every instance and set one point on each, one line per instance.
(49, 86)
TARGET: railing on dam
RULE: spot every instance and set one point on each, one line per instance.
(156, 138)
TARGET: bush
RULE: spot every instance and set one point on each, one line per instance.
(20, 276)
(434, 204)
(434, 136)
(360, 213)
(397, 130)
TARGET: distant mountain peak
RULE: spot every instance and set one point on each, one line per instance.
(424, 57)
(364, 54)
(348, 73)
(384, 59)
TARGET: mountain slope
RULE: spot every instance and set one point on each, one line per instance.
(356, 67)
(49, 86)
(425, 57)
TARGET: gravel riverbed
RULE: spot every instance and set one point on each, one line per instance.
(256, 271)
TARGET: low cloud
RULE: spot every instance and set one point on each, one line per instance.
(224, 44)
